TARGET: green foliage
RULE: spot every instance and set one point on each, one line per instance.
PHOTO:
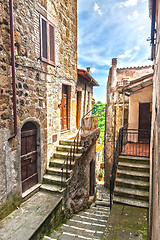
(98, 107)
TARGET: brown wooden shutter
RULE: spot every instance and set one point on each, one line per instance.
(44, 39)
(51, 39)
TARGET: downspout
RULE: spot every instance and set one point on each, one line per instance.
(13, 70)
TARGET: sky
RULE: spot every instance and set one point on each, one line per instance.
(112, 29)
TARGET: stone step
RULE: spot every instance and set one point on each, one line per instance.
(89, 219)
(55, 180)
(131, 193)
(63, 155)
(103, 203)
(57, 171)
(133, 175)
(101, 208)
(131, 183)
(140, 160)
(80, 231)
(131, 202)
(52, 188)
(59, 163)
(133, 166)
(86, 225)
(66, 148)
(93, 215)
(71, 236)
(67, 142)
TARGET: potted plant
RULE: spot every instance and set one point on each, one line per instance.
(100, 175)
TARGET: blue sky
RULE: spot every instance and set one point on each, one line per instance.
(108, 29)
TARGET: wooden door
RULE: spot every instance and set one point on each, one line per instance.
(144, 120)
(78, 111)
(64, 108)
(29, 174)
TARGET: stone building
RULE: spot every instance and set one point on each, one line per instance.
(38, 90)
(154, 209)
(118, 79)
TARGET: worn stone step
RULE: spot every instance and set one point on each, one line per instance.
(63, 155)
(87, 225)
(56, 180)
(133, 175)
(79, 231)
(52, 188)
(66, 148)
(140, 160)
(89, 219)
(93, 215)
(67, 142)
(57, 171)
(103, 203)
(131, 183)
(101, 208)
(71, 236)
(131, 193)
(133, 167)
(59, 163)
(131, 202)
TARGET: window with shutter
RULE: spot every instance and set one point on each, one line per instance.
(47, 41)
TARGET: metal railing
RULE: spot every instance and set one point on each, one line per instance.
(136, 142)
(87, 123)
(130, 142)
(117, 152)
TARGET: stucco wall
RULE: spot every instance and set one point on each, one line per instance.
(145, 96)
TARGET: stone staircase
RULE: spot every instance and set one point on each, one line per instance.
(132, 182)
(89, 224)
(52, 178)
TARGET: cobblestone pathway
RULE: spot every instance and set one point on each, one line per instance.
(89, 224)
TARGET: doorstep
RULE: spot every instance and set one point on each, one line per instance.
(32, 219)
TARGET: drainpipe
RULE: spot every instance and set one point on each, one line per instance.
(13, 70)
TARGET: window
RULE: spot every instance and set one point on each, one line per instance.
(47, 41)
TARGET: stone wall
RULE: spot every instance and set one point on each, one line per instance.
(38, 84)
(154, 209)
(77, 192)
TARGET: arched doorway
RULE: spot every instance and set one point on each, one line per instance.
(29, 173)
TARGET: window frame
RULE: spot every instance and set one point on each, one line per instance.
(48, 23)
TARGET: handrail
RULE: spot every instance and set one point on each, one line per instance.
(115, 163)
(74, 149)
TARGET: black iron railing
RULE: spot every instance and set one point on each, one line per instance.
(117, 152)
(130, 142)
(88, 123)
(136, 142)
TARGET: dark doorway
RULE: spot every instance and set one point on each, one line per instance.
(65, 107)
(78, 111)
(29, 174)
(92, 178)
(144, 120)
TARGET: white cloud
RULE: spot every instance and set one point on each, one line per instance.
(130, 3)
(137, 48)
(133, 15)
(97, 9)
(126, 54)
(93, 70)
